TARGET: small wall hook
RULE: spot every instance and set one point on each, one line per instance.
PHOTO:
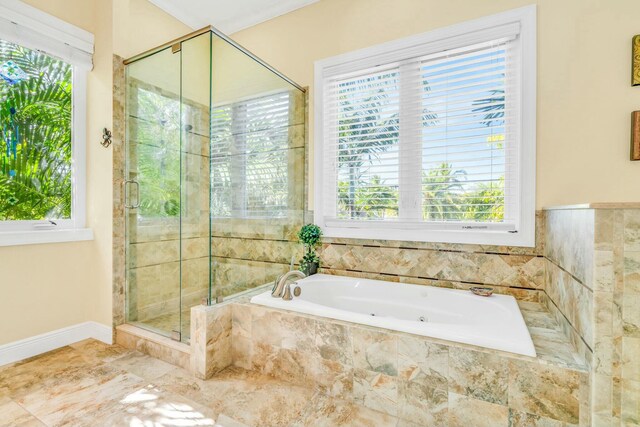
(106, 138)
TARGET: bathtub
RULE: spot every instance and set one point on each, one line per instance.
(455, 315)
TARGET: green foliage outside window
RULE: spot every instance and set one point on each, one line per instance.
(447, 200)
(444, 195)
(35, 135)
(376, 200)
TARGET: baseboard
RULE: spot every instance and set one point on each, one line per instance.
(39, 344)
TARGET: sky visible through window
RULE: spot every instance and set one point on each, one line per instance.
(462, 134)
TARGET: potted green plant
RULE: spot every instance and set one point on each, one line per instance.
(309, 235)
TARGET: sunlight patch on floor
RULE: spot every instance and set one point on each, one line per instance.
(148, 407)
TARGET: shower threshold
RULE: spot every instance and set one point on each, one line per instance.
(154, 344)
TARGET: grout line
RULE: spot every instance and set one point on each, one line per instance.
(410, 248)
(433, 279)
(177, 239)
(28, 411)
(254, 238)
(138, 267)
(569, 273)
(568, 322)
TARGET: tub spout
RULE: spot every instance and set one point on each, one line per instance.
(279, 290)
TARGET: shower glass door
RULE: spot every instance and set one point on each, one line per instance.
(152, 193)
(167, 187)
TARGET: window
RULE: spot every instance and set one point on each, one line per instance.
(43, 68)
(431, 138)
(250, 158)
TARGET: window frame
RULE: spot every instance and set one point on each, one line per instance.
(459, 35)
(31, 28)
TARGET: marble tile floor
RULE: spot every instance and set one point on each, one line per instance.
(94, 384)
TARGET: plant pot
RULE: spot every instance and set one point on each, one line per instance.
(311, 269)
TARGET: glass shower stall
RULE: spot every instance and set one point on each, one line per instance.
(214, 177)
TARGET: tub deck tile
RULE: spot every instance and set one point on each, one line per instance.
(546, 391)
(552, 346)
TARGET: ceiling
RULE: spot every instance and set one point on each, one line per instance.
(228, 16)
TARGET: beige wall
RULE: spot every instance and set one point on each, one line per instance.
(46, 287)
(584, 95)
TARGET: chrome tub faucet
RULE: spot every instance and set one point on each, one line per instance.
(282, 288)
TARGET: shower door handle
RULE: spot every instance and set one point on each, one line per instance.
(137, 184)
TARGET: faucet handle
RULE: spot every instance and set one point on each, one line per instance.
(287, 296)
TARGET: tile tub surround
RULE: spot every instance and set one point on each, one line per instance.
(514, 271)
(569, 254)
(593, 275)
(584, 269)
(417, 379)
(210, 340)
(431, 311)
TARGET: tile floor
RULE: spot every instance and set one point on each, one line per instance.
(93, 384)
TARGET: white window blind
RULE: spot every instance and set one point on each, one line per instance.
(249, 157)
(469, 134)
(363, 116)
(426, 141)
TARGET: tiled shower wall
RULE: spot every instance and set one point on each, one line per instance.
(118, 244)
(593, 280)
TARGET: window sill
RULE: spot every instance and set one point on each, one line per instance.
(525, 238)
(16, 238)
